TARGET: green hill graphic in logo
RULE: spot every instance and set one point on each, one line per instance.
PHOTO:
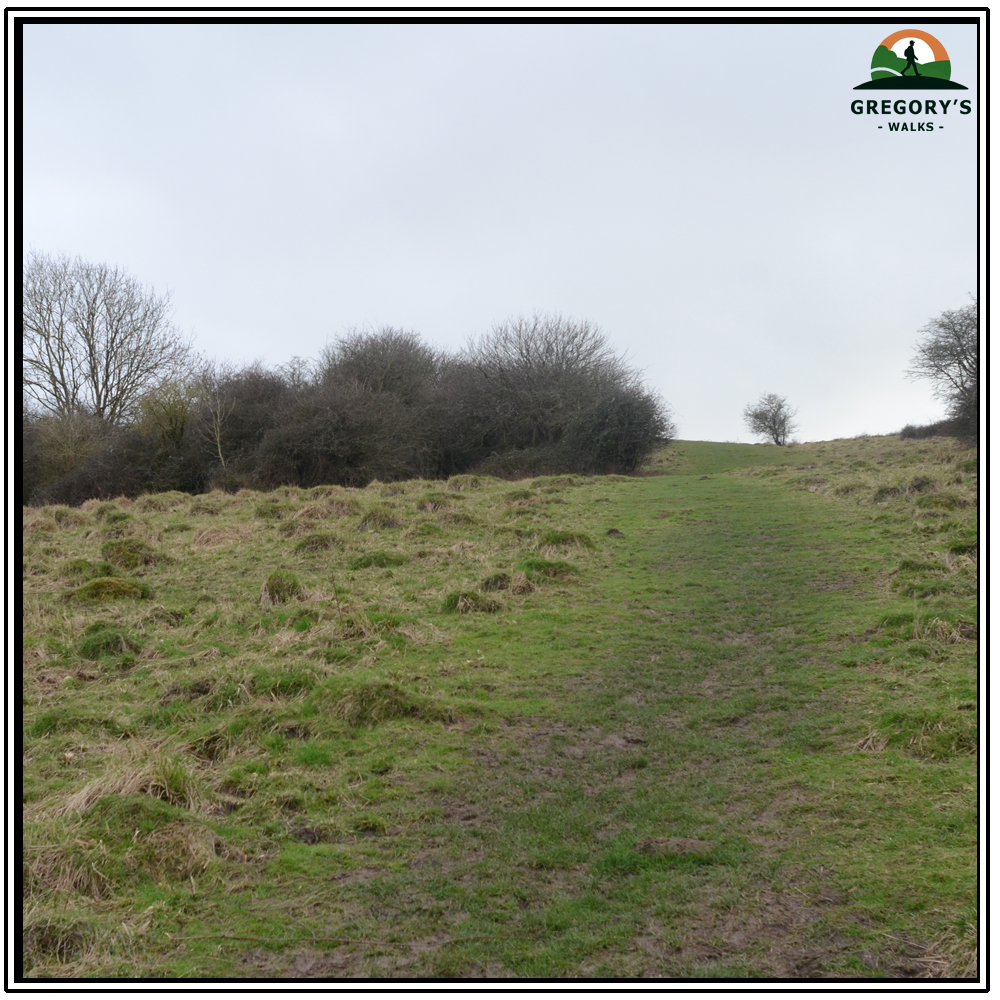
(910, 60)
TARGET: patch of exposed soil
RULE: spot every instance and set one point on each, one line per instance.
(784, 804)
(461, 813)
(773, 934)
(674, 845)
(355, 875)
(321, 965)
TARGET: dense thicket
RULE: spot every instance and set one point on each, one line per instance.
(534, 395)
(940, 428)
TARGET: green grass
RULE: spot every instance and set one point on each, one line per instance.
(701, 458)
(737, 740)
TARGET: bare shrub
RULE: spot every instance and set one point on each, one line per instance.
(539, 395)
(385, 361)
(770, 417)
(548, 382)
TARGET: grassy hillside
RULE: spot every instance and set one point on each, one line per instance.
(698, 458)
(705, 723)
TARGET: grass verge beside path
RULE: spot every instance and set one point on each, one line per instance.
(735, 739)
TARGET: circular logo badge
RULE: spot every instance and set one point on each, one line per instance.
(911, 53)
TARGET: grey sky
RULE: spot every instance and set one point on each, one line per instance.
(702, 193)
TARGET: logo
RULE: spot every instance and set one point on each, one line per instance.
(910, 60)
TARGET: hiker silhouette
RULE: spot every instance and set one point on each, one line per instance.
(911, 59)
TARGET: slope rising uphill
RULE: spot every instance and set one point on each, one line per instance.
(468, 732)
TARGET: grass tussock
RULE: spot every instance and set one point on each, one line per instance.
(937, 629)
(548, 569)
(294, 528)
(310, 512)
(84, 569)
(161, 776)
(466, 602)
(567, 539)
(34, 523)
(432, 501)
(464, 483)
(110, 588)
(929, 735)
(55, 938)
(281, 587)
(317, 541)
(214, 538)
(517, 496)
(66, 517)
(343, 506)
(271, 510)
(159, 502)
(954, 955)
(933, 474)
(129, 553)
(379, 518)
(105, 639)
(209, 505)
(106, 512)
(371, 703)
(59, 869)
(554, 484)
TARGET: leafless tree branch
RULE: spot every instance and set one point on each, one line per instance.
(94, 340)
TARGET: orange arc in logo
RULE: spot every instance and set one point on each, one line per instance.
(936, 47)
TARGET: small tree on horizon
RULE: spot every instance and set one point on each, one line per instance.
(770, 417)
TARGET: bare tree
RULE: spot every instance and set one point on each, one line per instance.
(216, 405)
(948, 357)
(770, 417)
(94, 340)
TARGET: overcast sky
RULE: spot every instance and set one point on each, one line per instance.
(703, 193)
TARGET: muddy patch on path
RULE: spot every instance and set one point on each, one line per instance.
(778, 935)
(457, 812)
(357, 960)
